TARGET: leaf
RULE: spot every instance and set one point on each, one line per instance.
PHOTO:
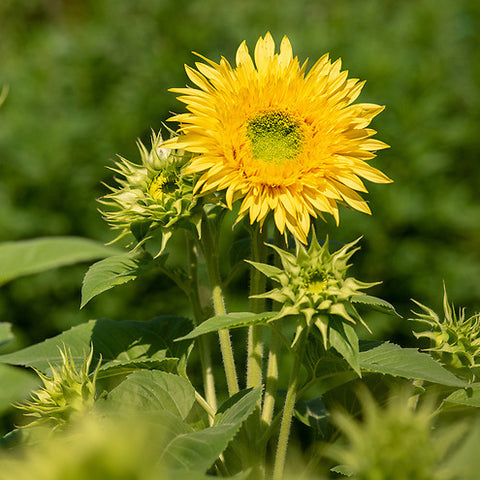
(197, 451)
(391, 359)
(113, 271)
(343, 470)
(229, 320)
(463, 460)
(154, 392)
(344, 340)
(376, 304)
(469, 396)
(312, 413)
(118, 344)
(26, 257)
(6, 334)
(16, 384)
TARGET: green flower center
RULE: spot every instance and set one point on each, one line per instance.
(162, 185)
(275, 137)
(316, 283)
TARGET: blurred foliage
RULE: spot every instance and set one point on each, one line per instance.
(88, 77)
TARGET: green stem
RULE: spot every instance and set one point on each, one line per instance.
(257, 305)
(275, 344)
(203, 341)
(288, 409)
(205, 405)
(272, 380)
(210, 251)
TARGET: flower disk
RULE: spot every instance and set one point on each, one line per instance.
(282, 139)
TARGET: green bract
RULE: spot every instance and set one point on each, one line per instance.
(314, 284)
(394, 443)
(154, 195)
(65, 394)
(455, 339)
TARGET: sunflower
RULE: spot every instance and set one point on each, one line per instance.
(281, 139)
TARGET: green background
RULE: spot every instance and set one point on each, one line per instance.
(86, 78)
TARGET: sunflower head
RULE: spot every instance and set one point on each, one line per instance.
(154, 196)
(65, 394)
(455, 340)
(314, 284)
(281, 138)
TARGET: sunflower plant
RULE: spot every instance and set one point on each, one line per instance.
(266, 148)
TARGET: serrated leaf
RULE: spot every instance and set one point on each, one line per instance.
(375, 303)
(469, 396)
(154, 392)
(113, 271)
(391, 359)
(229, 320)
(197, 451)
(26, 257)
(119, 344)
(6, 334)
(343, 470)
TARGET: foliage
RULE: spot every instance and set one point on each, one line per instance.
(156, 397)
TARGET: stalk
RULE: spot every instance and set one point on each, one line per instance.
(272, 366)
(272, 380)
(211, 257)
(288, 408)
(257, 305)
(203, 341)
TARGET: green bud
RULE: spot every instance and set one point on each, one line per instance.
(155, 194)
(65, 394)
(395, 442)
(314, 284)
(455, 339)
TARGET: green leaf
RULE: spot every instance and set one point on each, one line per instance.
(376, 304)
(268, 270)
(197, 451)
(16, 384)
(391, 359)
(154, 392)
(113, 271)
(187, 475)
(344, 340)
(118, 344)
(6, 334)
(313, 413)
(140, 229)
(26, 257)
(469, 396)
(463, 460)
(343, 470)
(229, 320)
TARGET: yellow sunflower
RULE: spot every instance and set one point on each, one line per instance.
(283, 139)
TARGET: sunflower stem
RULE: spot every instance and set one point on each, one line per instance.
(271, 380)
(210, 251)
(275, 344)
(288, 409)
(199, 316)
(257, 305)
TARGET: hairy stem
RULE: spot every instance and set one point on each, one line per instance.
(272, 380)
(203, 341)
(257, 305)
(210, 251)
(288, 409)
(275, 345)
